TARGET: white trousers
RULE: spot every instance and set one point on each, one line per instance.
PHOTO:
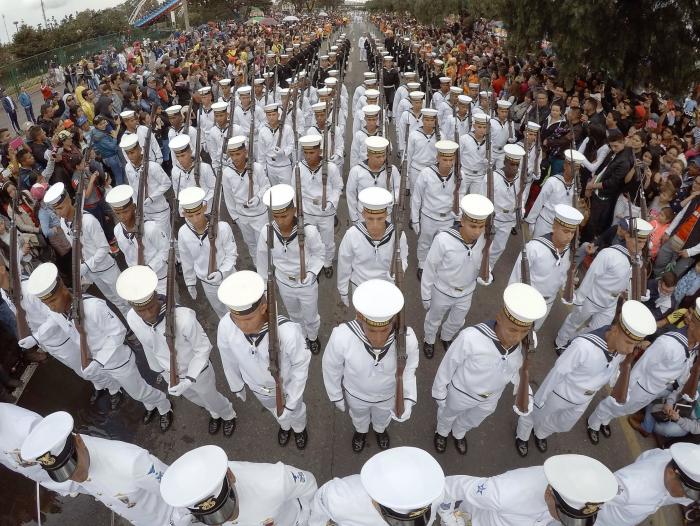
(210, 291)
(608, 408)
(500, 240)
(363, 413)
(250, 230)
(463, 412)
(106, 281)
(542, 227)
(294, 418)
(326, 228)
(441, 304)
(302, 307)
(429, 228)
(584, 318)
(279, 174)
(555, 416)
(130, 379)
(204, 394)
(475, 186)
(363, 55)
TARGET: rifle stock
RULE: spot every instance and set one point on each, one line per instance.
(272, 335)
(143, 189)
(522, 398)
(568, 294)
(198, 148)
(170, 294)
(324, 165)
(484, 270)
(14, 269)
(397, 270)
(457, 166)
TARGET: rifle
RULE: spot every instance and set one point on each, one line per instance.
(295, 94)
(401, 356)
(324, 164)
(283, 121)
(251, 138)
(188, 118)
(484, 270)
(457, 166)
(301, 234)
(538, 144)
(691, 385)
(198, 148)
(170, 302)
(523, 395)
(568, 294)
(636, 285)
(334, 114)
(143, 188)
(272, 334)
(15, 287)
(643, 214)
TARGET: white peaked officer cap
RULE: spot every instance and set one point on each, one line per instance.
(191, 198)
(205, 90)
(225, 82)
(644, 228)
(244, 90)
(533, 126)
(55, 194)
(445, 80)
(173, 110)
(272, 107)
(319, 107)
(503, 103)
(43, 281)
(686, 456)
(127, 114)
(310, 141)
(581, 484)
(375, 199)
(416, 95)
(523, 304)
(567, 215)
(137, 284)
(371, 109)
(378, 301)
(403, 480)
(464, 99)
(120, 196)
(236, 143)
(412, 86)
(371, 93)
(241, 291)
(129, 141)
(219, 107)
(474, 85)
(476, 207)
(446, 147)
(455, 89)
(51, 444)
(179, 142)
(428, 112)
(481, 118)
(282, 196)
(369, 75)
(376, 144)
(514, 151)
(574, 156)
(636, 320)
(258, 81)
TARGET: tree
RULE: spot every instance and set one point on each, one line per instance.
(202, 11)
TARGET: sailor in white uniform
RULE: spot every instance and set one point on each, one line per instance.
(502, 133)
(244, 110)
(275, 159)
(321, 121)
(216, 136)
(461, 121)
(358, 149)
(369, 98)
(187, 173)
(450, 272)
(132, 127)
(409, 119)
(590, 362)
(403, 485)
(205, 117)
(473, 159)
(534, 156)
(224, 91)
(215, 490)
(479, 364)
(369, 82)
(401, 93)
(441, 95)
(420, 150)
(177, 115)
(447, 107)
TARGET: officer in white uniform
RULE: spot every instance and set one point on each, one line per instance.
(316, 213)
(502, 133)
(194, 245)
(248, 212)
(155, 241)
(358, 149)
(368, 247)
(215, 490)
(557, 189)
(177, 115)
(276, 160)
(360, 363)
(608, 277)
(568, 490)
(132, 127)
(403, 485)
(659, 477)
(155, 206)
(409, 118)
(479, 364)
(216, 135)
(421, 151)
(185, 172)
(244, 343)
(473, 159)
(451, 270)
(195, 373)
(98, 266)
(548, 257)
(124, 477)
(590, 362)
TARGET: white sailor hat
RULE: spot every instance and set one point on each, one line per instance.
(225, 82)
(409, 74)
(291, 81)
(282, 196)
(455, 90)
(51, 444)
(412, 86)
(236, 143)
(644, 228)
(446, 147)
(567, 215)
(574, 156)
(129, 141)
(385, 53)
(371, 93)
(334, 48)
(272, 107)
(137, 285)
(324, 92)
(636, 320)
(370, 110)
(173, 110)
(302, 74)
(332, 54)
(375, 199)
(324, 57)
(484, 94)
(242, 291)
(259, 81)
(533, 126)
(205, 90)
(476, 207)
(55, 194)
(43, 281)
(319, 107)
(388, 58)
(198, 481)
(191, 198)
(481, 118)
(289, 49)
(403, 481)
(523, 304)
(179, 142)
(309, 142)
(332, 72)
(514, 152)
(331, 81)
(438, 62)
(185, 109)
(127, 114)
(464, 99)
(268, 75)
(219, 107)
(686, 457)
(270, 55)
(284, 55)
(244, 91)
(428, 112)
(370, 82)
(474, 85)
(283, 92)
(445, 80)
(416, 95)
(376, 144)
(120, 196)
(505, 104)
(580, 484)
(377, 301)
(369, 75)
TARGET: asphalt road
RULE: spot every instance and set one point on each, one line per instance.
(328, 454)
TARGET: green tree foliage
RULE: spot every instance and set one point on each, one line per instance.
(202, 11)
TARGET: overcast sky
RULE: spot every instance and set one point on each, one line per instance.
(30, 11)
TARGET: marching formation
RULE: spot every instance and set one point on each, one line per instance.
(267, 137)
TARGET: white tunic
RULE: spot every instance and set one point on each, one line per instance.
(339, 151)
(242, 118)
(358, 150)
(414, 122)
(421, 151)
(554, 192)
(312, 188)
(158, 183)
(205, 120)
(285, 255)
(501, 134)
(505, 197)
(194, 253)
(236, 190)
(186, 178)
(192, 134)
(472, 157)
(155, 247)
(433, 195)
(608, 276)
(548, 267)
(155, 153)
(95, 249)
(215, 138)
(267, 141)
(361, 177)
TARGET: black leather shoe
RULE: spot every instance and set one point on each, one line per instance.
(328, 272)
(419, 273)
(148, 415)
(521, 446)
(446, 344)
(166, 421)
(283, 436)
(115, 400)
(314, 346)
(541, 444)
(214, 425)
(358, 441)
(96, 395)
(383, 440)
(513, 231)
(440, 443)
(229, 427)
(559, 350)
(461, 445)
(605, 430)
(593, 436)
(300, 439)
(428, 350)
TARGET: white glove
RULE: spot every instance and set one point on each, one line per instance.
(345, 299)
(533, 343)
(215, 278)
(83, 270)
(181, 387)
(309, 279)
(416, 228)
(91, 370)
(192, 289)
(253, 201)
(276, 151)
(646, 296)
(485, 283)
(241, 394)
(340, 405)
(441, 403)
(448, 518)
(28, 342)
(426, 304)
(334, 159)
(408, 407)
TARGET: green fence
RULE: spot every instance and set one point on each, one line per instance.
(29, 71)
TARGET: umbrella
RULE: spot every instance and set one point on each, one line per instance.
(290, 18)
(254, 20)
(269, 22)
(323, 13)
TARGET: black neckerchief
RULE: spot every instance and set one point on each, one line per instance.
(355, 327)
(442, 179)
(311, 170)
(454, 232)
(256, 338)
(488, 329)
(478, 144)
(546, 240)
(429, 137)
(161, 312)
(376, 243)
(127, 234)
(597, 338)
(199, 236)
(622, 249)
(285, 240)
(681, 336)
(509, 184)
(364, 164)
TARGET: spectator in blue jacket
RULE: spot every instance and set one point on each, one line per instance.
(26, 102)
